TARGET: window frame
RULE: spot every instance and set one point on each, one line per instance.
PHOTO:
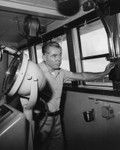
(105, 55)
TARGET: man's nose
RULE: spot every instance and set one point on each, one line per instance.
(58, 58)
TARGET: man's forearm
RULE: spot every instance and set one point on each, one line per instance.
(89, 76)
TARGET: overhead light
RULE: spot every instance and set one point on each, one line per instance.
(68, 7)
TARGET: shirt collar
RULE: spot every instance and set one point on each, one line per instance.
(54, 73)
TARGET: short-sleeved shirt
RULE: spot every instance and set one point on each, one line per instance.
(55, 80)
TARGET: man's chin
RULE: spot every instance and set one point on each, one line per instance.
(57, 67)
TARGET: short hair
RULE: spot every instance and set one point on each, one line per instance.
(50, 44)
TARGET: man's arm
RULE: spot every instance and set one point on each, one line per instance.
(89, 76)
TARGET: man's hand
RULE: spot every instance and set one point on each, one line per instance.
(109, 67)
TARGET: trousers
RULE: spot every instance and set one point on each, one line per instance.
(51, 135)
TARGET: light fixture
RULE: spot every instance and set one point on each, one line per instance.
(68, 7)
(24, 78)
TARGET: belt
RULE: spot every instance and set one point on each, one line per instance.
(56, 113)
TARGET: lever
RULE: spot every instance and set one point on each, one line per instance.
(4, 49)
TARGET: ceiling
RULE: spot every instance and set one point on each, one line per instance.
(11, 27)
(13, 13)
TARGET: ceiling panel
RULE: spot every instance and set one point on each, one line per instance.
(45, 3)
(13, 13)
(11, 22)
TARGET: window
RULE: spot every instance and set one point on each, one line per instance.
(62, 41)
(65, 60)
(94, 47)
(39, 52)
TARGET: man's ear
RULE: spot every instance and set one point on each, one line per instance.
(44, 57)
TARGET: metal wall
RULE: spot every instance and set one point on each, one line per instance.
(92, 121)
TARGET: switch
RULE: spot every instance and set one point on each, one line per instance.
(107, 112)
(89, 115)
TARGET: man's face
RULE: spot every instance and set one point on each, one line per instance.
(53, 57)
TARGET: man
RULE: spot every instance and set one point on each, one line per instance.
(51, 133)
